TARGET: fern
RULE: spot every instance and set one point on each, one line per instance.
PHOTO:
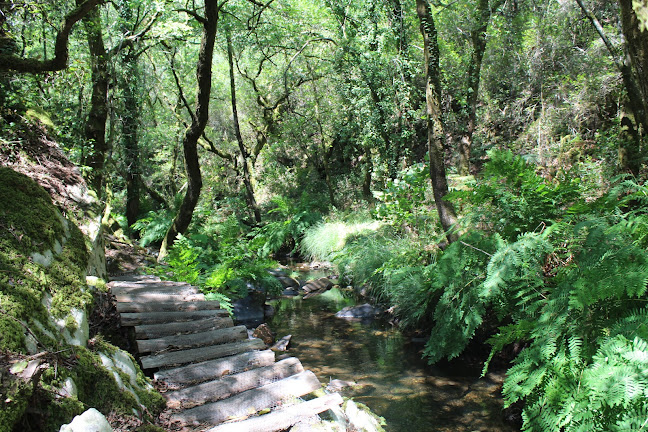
(587, 364)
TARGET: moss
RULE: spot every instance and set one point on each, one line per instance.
(14, 397)
(29, 220)
(62, 411)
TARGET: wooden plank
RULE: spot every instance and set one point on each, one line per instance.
(172, 305)
(134, 278)
(143, 283)
(250, 402)
(193, 340)
(152, 331)
(139, 318)
(283, 418)
(158, 298)
(200, 354)
(171, 289)
(230, 385)
(211, 369)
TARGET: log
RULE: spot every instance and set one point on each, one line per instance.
(249, 402)
(200, 354)
(171, 305)
(284, 418)
(143, 284)
(152, 331)
(230, 385)
(139, 318)
(317, 285)
(193, 340)
(208, 370)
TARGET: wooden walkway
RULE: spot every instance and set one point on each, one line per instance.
(217, 378)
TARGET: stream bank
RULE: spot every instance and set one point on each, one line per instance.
(386, 367)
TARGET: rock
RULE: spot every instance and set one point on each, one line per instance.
(365, 311)
(291, 292)
(269, 311)
(336, 385)
(361, 419)
(282, 344)
(250, 309)
(91, 420)
(264, 333)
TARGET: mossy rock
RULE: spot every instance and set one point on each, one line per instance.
(32, 225)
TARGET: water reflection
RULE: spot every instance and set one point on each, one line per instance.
(391, 377)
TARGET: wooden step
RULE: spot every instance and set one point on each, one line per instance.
(144, 283)
(158, 297)
(171, 305)
(230, 385)
(173, 358)
(139, 318)
(250, 402)
(283, 418)
(212, 369)
(134, 278)
(152, 331)
(193, 340)
(150, 289)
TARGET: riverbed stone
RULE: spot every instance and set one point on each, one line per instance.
(365, 311)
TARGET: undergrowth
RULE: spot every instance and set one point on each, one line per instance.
(537, 265)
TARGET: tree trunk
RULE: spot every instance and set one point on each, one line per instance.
(95, 128)
(11, 62)
(636, 47)
(481, 20)
(435, 130)
(196, 128)
(130, 125)
(247, 181)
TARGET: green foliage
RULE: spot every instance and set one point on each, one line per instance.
(222, 262)
(291, 224)
(585, 367)
(154, 226)
(403, 200)
(512, 198)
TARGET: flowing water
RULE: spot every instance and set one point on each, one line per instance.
(390, 376)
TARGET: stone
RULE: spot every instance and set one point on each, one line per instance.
(264, 333)
(365, 311)
(282, 344)
(91, 420)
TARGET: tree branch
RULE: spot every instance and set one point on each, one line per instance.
(61, 54)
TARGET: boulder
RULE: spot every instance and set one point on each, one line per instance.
(91, 420)
(365, 311)
(264, 333)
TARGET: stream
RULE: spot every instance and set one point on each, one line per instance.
(391, 377)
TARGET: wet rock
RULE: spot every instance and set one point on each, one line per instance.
(264, 333)
(335, 385)
(250, 309)
(365, 311)
(282, 344)
(288, 282)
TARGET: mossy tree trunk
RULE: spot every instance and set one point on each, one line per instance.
(95, 128)
(480, 23)
(197, 126)
(244, 156)
(435, 129)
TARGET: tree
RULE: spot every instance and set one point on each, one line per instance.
(435, 130)
(12, 62)
(198, 123)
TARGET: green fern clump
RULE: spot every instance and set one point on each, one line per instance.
(586, 367)
(513, 199)
(154, 226)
